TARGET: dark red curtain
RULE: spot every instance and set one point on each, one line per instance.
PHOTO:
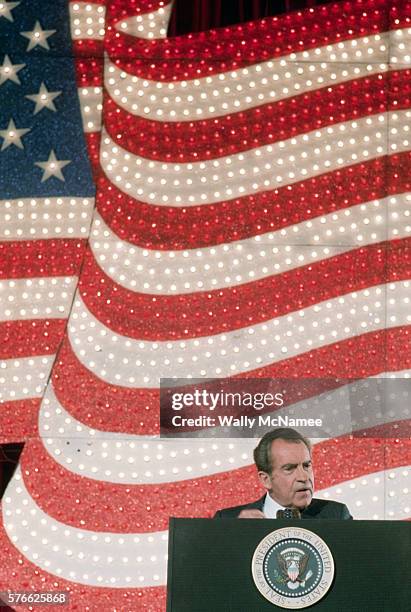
(199, 15)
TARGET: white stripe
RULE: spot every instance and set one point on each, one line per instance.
(135, 363)
(148, 25)
(262, 83)
(205, 269)
(246, 88)
(139, 560)
(87, 20)
(35, 218)
(376, 496)
(397, 374)
(36, 298)
(86, 557)
(133, 459)
(268, 167)
(24, 378)
(91, 106)
(400, 48)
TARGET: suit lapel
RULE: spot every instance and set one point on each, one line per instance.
(312, 511)
(258, 505)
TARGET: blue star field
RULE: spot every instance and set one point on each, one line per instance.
(60, 130)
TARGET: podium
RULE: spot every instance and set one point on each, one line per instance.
(210, 564)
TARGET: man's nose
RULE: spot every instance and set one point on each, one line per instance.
(302, 473)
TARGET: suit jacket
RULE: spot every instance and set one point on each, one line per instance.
(318, 509)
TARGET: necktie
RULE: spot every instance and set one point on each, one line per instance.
(289, 514)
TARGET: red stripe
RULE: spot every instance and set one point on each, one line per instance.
(89, 64)
(400, 12)
(136, 410)
(18, 420)
(101, 2)
(349, 457)
(164, 317)
(167, 228)
(360, 356)
(124, 508)
(93, 140)
(109, 407)
(121, 9)
(17, 574)
(39, 258)
(81, 2)
(238, 46)
(190, 141)
(30, 337)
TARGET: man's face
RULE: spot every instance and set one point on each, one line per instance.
(291, 482)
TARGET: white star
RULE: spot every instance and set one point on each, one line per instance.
(6, 8)
(44, 99)
(13, 136)
(8, 71)
(53, 167)
(38, 36)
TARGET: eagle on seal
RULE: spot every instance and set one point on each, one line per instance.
(292, 568)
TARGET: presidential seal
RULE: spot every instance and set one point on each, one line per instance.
(293, 568)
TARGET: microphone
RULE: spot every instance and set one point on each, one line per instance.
(289, 514)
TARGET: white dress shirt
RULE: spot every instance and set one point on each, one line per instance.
(270, 507)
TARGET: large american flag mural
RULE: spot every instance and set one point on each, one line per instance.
(230, 203)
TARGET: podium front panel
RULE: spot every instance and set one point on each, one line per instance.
(210, 565)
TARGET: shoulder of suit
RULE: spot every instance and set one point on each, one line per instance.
(327, 502)
(235, 510)
(318, 506)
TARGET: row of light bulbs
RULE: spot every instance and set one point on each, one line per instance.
(259, 169)
(119, 360)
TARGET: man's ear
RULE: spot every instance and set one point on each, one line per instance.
(265, 479)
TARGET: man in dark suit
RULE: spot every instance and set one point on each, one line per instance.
(283, 461)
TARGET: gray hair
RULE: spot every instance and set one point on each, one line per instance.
(262, 453)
